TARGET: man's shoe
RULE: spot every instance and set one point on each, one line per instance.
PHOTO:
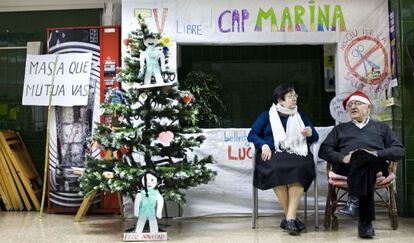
(300, 225)
(350, 209)
(291, 227)
(365, 230)
(283, 224)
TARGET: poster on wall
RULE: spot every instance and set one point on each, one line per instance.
(364, 55)
(71, 126)
(359, 29)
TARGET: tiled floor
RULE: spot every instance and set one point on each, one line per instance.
(28, 227)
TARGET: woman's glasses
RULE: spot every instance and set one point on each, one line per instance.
(291, 96)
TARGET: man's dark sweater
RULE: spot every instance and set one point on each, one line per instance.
(347, 137)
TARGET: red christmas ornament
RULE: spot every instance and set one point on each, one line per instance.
(187, 99)
(124, 149)
(103, 153)
(126, 42)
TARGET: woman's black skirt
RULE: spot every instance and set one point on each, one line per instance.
(284, 169)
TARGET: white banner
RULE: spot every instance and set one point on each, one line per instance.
(246, 21)
(71, 83)
(359, 29)
(231, 190)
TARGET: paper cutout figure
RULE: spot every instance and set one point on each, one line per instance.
(148, 204)
(150, 61)
(115, 96)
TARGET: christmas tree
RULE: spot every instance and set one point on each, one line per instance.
(151, 129)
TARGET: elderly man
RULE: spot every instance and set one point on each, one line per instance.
(359, 149)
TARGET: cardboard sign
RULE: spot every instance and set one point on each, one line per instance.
(71, 79)
(145, 236)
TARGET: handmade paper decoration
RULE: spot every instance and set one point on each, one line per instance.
(165, 138)
(115, 96)
(142, 97)
(108, 174)
(187, 99)
(150, 61)
(148, 204)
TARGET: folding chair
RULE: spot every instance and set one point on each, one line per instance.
(337, 193)
(314, 148)
(255, 211)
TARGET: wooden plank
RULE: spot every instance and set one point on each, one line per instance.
(25, 164)
(4, 198)
(4, 193)
(10, 184)
(18, 167)
(8, 191)
(84, 206)
(18, 150)
(12, 142)
(5, 183)
(7, 134)
(17, 181)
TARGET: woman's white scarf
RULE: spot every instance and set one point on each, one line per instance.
(291, 141)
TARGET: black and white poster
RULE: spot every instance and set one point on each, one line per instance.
(71, 126)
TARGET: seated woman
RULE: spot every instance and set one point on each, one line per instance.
(282, 137)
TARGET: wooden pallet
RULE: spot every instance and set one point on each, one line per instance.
(20, 182)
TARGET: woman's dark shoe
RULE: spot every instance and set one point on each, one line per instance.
(300, 225)
(283, 224)
(291, 227)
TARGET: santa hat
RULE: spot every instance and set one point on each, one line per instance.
(358, 96)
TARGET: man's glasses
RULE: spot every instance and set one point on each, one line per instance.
(356, 103)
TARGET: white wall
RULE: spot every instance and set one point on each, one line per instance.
(111, 14)
(32, 5)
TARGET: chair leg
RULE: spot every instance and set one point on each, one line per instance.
(327, 219)
(334, 203)
(393, 208)
(306, 206)
(257, 203)
(255, 208)
(316, 200)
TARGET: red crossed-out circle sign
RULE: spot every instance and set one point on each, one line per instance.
(358, 60)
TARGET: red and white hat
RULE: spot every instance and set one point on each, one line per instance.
(358, 96)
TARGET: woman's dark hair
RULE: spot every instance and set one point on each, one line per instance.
(144, 176)
(281, 90)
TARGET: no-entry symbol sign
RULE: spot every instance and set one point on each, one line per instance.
(367, 59)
